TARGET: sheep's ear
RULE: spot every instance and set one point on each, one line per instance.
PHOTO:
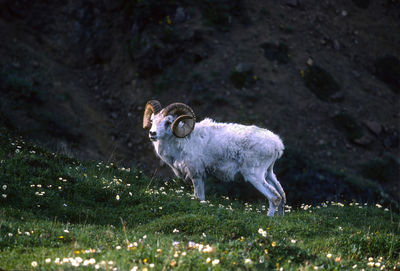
(183, 126)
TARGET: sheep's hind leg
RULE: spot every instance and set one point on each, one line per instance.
(271, 177)
(198, 186)
(274, 199)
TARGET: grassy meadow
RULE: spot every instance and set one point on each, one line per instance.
(58, 213)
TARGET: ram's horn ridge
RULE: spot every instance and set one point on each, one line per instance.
(152, 107)
(186, 120)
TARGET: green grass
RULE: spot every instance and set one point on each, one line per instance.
(58, 213)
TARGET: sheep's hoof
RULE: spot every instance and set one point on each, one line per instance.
(281, 208)
(270, 214)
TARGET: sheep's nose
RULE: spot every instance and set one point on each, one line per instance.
(153, 136)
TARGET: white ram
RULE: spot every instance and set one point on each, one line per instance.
(223, 150)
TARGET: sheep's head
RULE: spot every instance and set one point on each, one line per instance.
(176, 119)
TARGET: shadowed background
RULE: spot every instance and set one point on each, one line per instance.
(324, 75)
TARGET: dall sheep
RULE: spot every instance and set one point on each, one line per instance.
(223, 150)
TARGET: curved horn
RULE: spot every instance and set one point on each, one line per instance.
(152, 107)
(186, 120)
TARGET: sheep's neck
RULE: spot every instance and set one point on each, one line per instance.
(168, 150)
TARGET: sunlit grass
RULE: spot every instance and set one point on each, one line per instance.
(58, 213)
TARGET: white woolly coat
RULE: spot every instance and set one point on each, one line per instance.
(222, 150)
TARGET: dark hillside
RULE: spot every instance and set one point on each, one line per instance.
(75, 75)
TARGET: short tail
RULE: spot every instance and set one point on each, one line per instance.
(280, 148)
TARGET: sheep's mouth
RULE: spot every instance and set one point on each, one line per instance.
(153, 138)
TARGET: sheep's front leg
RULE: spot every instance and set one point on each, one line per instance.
(177, 173)
(198, 186)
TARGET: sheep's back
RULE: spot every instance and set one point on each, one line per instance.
(225, 144)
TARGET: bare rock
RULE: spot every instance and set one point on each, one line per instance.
(373, 126)
(356, 74)
(292, 3)
(365, 140)
(20, 8)
(364, 4)
(337, 97)
(16, 64)
(387, 69)
(111, 5)
(35, 64)
(391, 141)
(180, 15)
(243, 68)
(114, 115)
(336, 45)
